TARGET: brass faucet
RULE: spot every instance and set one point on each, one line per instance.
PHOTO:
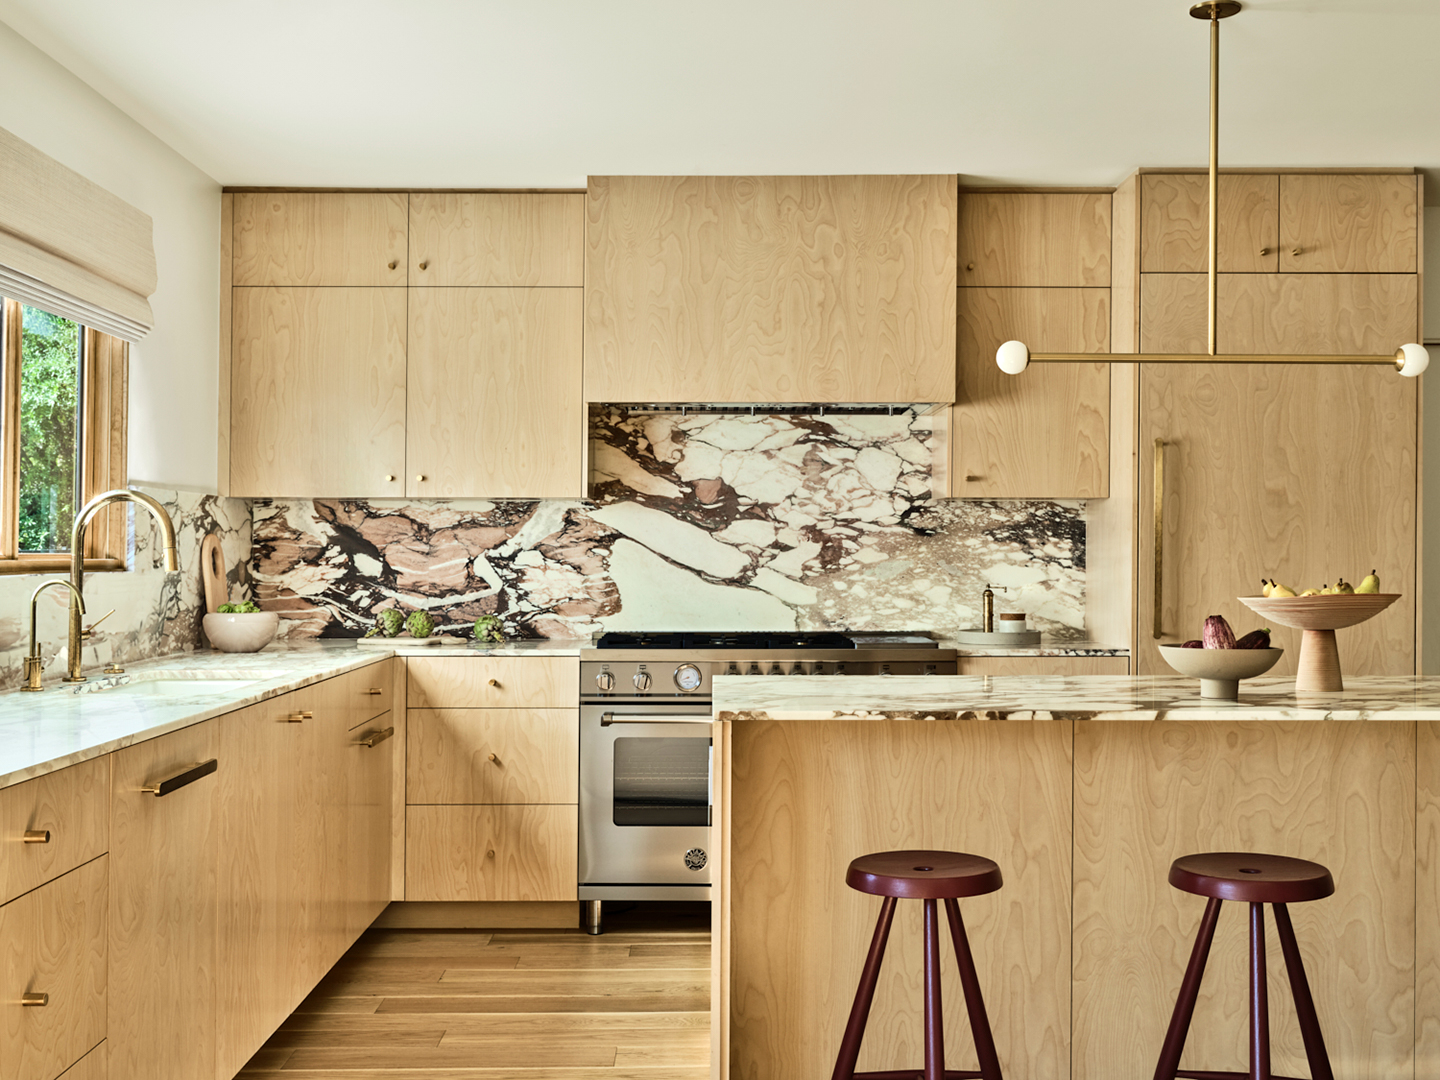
(77, 562)
(33, 665)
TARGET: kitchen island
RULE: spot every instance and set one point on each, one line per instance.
(1084, 794)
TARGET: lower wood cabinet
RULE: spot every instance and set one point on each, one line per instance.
(1044, 665)
(491, 852)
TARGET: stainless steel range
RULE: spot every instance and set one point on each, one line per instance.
(645, 760)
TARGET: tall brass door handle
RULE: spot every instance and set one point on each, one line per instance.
(1157, 632)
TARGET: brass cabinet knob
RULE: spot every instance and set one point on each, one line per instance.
(969, 266)
(494, 758)
(420, 477)
(392, 264)
(35, 999)
(1264, 252)
(1295, 251)
(424, 263)
(490, 854)
(390, 477)
(493, 682)
(37, 836)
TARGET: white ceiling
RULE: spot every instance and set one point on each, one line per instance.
(542, 93)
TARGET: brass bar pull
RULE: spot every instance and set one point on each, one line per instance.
(181, 779)
(375, 738)
(1157, 633)
(299, 717)
(374, 690)
(40, 1000)
(37, 836)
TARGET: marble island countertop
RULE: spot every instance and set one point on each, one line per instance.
(1084, 697)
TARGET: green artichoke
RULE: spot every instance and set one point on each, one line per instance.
(420, 624)
(390, 622)
(489, 628)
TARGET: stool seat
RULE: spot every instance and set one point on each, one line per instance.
(923, 875)
(1257, 879)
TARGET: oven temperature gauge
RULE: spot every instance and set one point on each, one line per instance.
(688, 678)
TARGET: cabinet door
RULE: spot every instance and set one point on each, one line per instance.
(770, 288)
(1175, 223)
(497, 239)
(492, 756)
(494, 393)
(369, 753)
(1366, 224)
(305, 238)
(1045, 434)
(1044, 665)
(1050, 240)
(162, 910)
(318, 392)
(490, 852)
(1300, 473)
(71, 808)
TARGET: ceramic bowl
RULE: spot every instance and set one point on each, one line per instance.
(241, 633)
(1220, 670)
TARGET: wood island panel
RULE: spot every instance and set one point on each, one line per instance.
(798, 934)
(1339, 793)
(1427, 899)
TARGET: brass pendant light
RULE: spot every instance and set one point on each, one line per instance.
(1013, 356)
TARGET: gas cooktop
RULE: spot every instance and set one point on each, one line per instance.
(752, 641)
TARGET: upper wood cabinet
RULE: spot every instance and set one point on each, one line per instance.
(1175, 224)
(497, 239)
(300, 238)
(1348, 224)
(1055, 239)
(770, 289)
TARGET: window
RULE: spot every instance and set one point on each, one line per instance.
(62, 440)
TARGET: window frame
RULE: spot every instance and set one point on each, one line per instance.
(104, 442)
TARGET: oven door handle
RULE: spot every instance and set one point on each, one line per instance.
(608, 718)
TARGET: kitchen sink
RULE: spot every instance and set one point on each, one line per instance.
(176, 683)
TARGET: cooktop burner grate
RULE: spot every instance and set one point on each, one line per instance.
(751, 640)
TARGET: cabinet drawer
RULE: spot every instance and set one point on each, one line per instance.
(492, 756)
(365, 694)
(1044, 665)
(490, 853)
(72, 805)
(54, 944)
(494, 682)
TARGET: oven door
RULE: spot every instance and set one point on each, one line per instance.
(646, 780)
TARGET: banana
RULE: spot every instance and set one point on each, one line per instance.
(1371, 584)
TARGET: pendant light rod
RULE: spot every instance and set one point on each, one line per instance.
(1014, 356)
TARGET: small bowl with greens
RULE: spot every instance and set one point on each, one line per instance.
(240, 627)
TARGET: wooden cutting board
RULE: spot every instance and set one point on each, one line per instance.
(212, 573)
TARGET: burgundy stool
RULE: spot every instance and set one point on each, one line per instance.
(928, 876)
(1257, 880)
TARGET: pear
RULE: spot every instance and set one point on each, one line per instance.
(1309, 592)
(1371, 584)
(1325, 589)
(1266, 587)
(1343, 588)
(1281, 591)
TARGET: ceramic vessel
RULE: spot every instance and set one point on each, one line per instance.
(1318, 668)
(241, 633)
(1220, 670)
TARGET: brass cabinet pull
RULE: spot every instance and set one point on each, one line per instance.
(389, 477)
(1295, 251)
(1264, 251)
(1159, 531)
(40, 1000)
(493, 682)
(424, 263)
(490, 854)
(969, 266)
(375, 738)
(374, 690)
(298, 717)
(37, 836)
(420, 477)
(971, 478)
(494, 759)
(181, 779)
(392, 264)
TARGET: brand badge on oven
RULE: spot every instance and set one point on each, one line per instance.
(695, 858)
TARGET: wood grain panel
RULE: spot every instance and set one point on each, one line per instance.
(493, 756)
(227, 328)
(799, 935)
(1044, 665)
(93, 1066)
(52, 941)
(1349, 224)
(497, 239)
(73, 804)
(305, 238)
(1175, 223)
(1055, 240)
(365, 693)
(1427, 899)
(364, 818)
(318, 401)
(493, 393)
(490, 853)
(1043, 435)
(1340, 794)
(1303, 474)
(163, 867)
(494, 682)
(400, 717)
(763, 289)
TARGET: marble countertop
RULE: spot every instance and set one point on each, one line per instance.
(527, 647)
(1082, 697)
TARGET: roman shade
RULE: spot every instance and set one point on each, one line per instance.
(69, 246)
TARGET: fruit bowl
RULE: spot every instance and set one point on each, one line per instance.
(1220, 670)
(1318, 668)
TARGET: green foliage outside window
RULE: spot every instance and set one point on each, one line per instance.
(49, 422)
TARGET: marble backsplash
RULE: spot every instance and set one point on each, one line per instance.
(699, 521)
(156, 613)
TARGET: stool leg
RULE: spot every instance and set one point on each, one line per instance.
(974, 1002)
(864, 995)
(1259, 998)
(1189, 991)
(1304, 1004)
(934, 1014)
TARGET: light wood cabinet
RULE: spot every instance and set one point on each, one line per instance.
(493, 756)
(163, 867)
(1045, 434)
(318, 392)
(52, 943)
(475, 239)
(1349, 224)
(67, 816)
(1044, 665)
(1046, 240)
(770, 289)
(493, 394)
(494, 682)
(307, 238)
(369, 751)
(1175, 233)
(522, 852)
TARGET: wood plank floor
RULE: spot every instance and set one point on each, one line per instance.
(631, 1004)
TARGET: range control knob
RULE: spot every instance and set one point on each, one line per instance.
(754, 670)
(642, 680)
(775, 670)
(798, 669)
(605, 681)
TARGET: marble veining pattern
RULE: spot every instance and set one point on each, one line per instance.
(703, 521)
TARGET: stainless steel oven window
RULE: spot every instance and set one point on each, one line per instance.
(662, 781)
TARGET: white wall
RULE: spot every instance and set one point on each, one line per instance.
(174, 371)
